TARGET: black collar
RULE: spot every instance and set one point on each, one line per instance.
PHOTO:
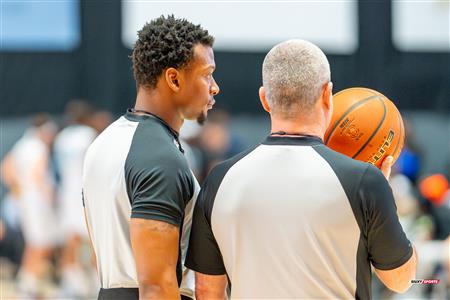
(303, 140)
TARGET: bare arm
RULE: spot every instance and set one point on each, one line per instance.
(9, 175)
(399, 279)
(155, 247)
(210, 287)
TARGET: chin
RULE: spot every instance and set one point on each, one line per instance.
(202, 118)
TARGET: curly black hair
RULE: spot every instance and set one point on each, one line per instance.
(163, 43)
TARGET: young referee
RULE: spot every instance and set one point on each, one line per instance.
(291, 218)
(138, 190)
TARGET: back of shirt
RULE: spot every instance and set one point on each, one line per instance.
(294, 219)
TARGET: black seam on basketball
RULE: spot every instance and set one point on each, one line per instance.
(403, 134)
(349, 110)
(376, 130)
(400, 136)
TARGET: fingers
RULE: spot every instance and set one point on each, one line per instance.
(386, 166)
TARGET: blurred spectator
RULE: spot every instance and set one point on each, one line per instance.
(217, 141)
(100, 120)
(189, 137)
(27, 173)
(434, 189)
(409, 161)
(69, 150)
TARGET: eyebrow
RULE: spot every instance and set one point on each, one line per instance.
(213, 67)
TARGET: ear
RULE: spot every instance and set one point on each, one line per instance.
(172, 77)
(327, 96)
(262, 98)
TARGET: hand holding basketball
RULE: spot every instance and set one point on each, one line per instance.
(386, 166)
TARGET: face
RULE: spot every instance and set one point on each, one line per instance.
(199, 88)
(47, 132)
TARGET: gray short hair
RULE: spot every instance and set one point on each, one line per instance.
(294, 73)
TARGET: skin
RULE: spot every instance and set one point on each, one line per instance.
(156, 272)
(185, 93)
(399, 279)
(314, 122)
(210, 286)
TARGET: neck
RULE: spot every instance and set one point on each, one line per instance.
(298, 126)
(153, 102)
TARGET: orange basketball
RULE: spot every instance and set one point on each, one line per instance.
(365, 125)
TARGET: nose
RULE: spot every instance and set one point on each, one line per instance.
(214, 88)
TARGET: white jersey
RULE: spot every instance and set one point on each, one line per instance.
(31, 159)
(70, 147)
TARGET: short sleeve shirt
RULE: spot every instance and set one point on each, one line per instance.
(134, 169)
(295, 219)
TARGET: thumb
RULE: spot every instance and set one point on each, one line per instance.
(386, 166)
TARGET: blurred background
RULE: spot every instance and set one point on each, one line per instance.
(65, 74)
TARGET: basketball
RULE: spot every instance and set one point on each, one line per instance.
(365, 125)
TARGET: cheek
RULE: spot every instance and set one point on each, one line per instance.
(197, 93)
(202, 91)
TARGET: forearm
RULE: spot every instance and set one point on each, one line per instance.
(158, 291)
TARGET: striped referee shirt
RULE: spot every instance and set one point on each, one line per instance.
(135, 169)
(294, 219)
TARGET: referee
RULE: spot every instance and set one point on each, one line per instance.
(138, 190)
(291, 218)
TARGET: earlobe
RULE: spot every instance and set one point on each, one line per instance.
(172, 77)
(262, 98)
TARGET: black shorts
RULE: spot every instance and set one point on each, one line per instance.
(124, 294)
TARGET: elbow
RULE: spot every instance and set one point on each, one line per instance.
(157, 291)
(149, 291)
(400, 288)
(204, 293)
(402, 283)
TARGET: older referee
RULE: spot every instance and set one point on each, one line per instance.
(137, 186)
(292, 219)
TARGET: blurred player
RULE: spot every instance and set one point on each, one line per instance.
(292, 219)
(26, 171)
(138, 189)
(69, 149)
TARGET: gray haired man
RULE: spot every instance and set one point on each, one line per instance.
(292, 218)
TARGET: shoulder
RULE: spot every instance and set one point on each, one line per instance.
(340, 161)
(152, 143)
(350, 172)
(155, 159)
(29, 146)
(75, 136)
